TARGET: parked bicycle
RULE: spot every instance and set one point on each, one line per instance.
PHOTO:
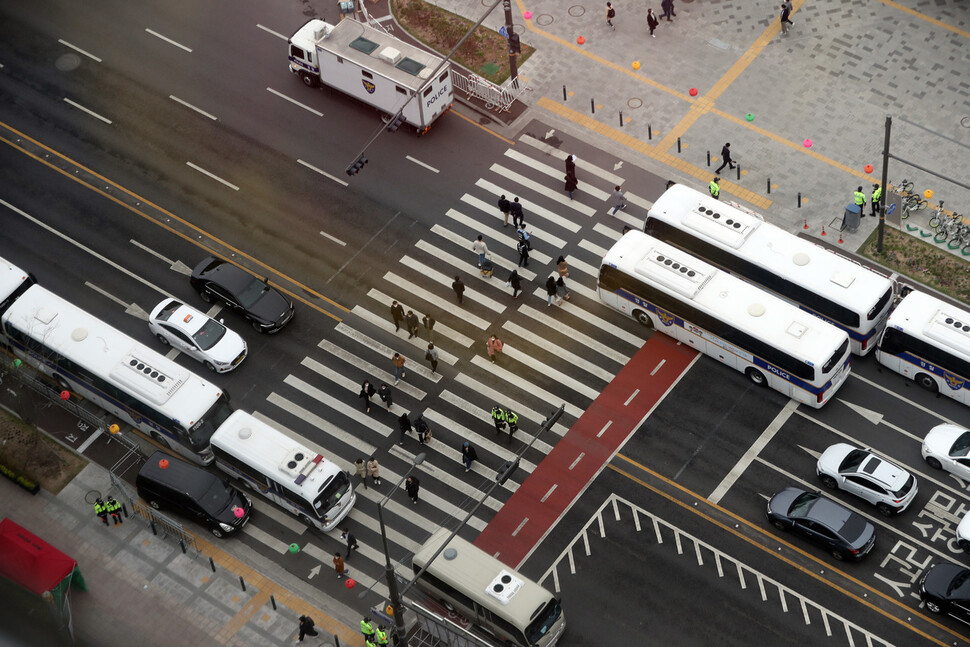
(910, 204)
(904, 188)
(937, 219)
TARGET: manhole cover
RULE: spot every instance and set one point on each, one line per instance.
(577, 10)
(635, 103)
(68, 62)
(965, 122)
(543, 20)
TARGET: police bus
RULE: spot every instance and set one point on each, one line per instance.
(841, 291)
(768, 339)
(132, 382)
(283, 470)
(500, 601)
(928, 340)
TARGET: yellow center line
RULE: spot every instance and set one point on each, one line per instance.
(790, 562)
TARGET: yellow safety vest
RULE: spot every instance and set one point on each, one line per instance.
(714, 188)
(876, 195)
(860, 198)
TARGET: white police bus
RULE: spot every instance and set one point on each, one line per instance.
(928, 340)
(283, 470)
(839, 290)
(768, 339)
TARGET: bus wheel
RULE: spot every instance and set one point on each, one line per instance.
(926, 382)
(155, 505)
(62, 383)
(756, 376)
(643, 318)
(305, 519)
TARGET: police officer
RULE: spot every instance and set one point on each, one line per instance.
(860, 200)
(381, 636)
(101, 509)
(367, 629)
(114, 508)
(715, 188)
(512, 418)
(876, 196)
(498, 416)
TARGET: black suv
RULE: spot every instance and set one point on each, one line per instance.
(264, 306)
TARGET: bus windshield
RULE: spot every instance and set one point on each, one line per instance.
(331, 493)
(202, 431)
(544, 621)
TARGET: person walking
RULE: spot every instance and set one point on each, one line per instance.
(725, 158)
(459, 289)
(307, 624)
(480, 248)
(668, 7)
(504, 206)
(570, 165)
(618, 201)
(422, 428)
(550, 288)
(561, 291)
(381, 636)
(404, 427)
(101, 509)
(517, 215)
(114, 509)
(571, 184)
(367, 629)
(610, 15)
(397, 313)
(338, 565)
(374, 470)
(362, 473)
(859, 198)
(512, 418)
(348, 536)
(652, 22)
(384, 393)
(715, 188)
(411, 486)
(523, 249)
(876, 200)
(524, 235)
(429, 323)
(412, 322)
(398, 360)
(431, 354)
(468, 455)
(494, 345)
(786, 24)
(498, 417)
(515, 283)
(367, 391)
(562, 267)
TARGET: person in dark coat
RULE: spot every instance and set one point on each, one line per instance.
(571, 184)
(652, 21)
(397, 313)
(412, 322)
(306, 622)
(468, 455)
(515, 282)
(551, 288)
(404, 425)
(367, 391)
(523, 249)
(517, 215)
(385, 394)
(726, 158)
(424, 431)
(459, 288)
(570, 165)
(411, 486)
(504, 206)
(668, 7)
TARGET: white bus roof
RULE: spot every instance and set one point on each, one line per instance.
(750, 237)
(739, 303)
(372, 49)
(937, 320)
(113, 355)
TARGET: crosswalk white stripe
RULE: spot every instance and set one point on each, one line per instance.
(438, 277)
(265, 538)
(277, 514)
(396, 505)
(560, 352)
(358, 415)
(593, 247)
(574, 287)
(492, 395)
(596, 322)
(420, 347)
(340, 380)
(572, 333)
(556, 173)
(356, 574)
(559, 375)
(414, 364)
(528, 387)
(540, 234)
(530, 209)
(445, 257)
(623, 216)
(365, 521)
(553, 194)
(610, 232)
(378, 375)
(463, 242)
(442, 475)
(495, 236)
(485, 417)
(402, 283)
(439, 328)
(582, 266)
(322, 424)
(643, 203)
(581, 163)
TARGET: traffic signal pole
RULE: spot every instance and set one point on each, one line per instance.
(513, 41)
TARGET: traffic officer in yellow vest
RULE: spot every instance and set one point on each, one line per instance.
(114, 509)
(498, 417)
(860, 201)
(367, 629)
(512, 418)
(715, 188)
(876, 196)
(381, 636)
(101, 509)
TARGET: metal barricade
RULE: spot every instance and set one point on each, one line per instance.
(495, 97)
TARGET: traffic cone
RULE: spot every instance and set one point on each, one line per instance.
(840, 238)
(805, 226)
(823, 231)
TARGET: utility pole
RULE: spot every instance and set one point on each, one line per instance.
(514, 47)
(885, 179)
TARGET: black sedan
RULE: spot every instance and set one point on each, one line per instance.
(845, 534)
(264, 306)
(945, 588)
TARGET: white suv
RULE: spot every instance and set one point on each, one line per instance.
(860, 472)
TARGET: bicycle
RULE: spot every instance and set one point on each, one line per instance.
(904, 188)
(910, 204)
(937, 218)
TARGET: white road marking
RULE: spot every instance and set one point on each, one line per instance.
(534, 390)
(547, 239)
(420, 163)
(130, 308)
(611, 178)
(439, 328)
(501, 450)
(556, 174)
(593, 247)
(530, 209)
(323, 173)
(557, 351)
(334, 239)
(294, 102)
(598, 322)
(574, 334)
(402, 283)
(79, 50)
(212, 175)
(90, 112)
(270, 31)
(461, 241)
(168, 40)
(189, 105)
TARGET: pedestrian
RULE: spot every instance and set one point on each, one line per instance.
(384, 393)
(411, 486)
(101, 509)
(860, 201)
(459, 288)
(397, 313)
(367, 629)
(504, 206)
(429, 323)
(618, 201)
(412, 322)
(348, 536)
(381, 636)
(725, 158)
(367, 391)
(362, 473)
(523, 249)
(114, 508)
(563, 267)
(652, 22)
(876, 199)
(512, 418)
(338, 565)
(524, 235)
(468, 455)
(515, 283)
(404, 426)
(570, 165)
(398, 360)
(306, 624)
(551, 288)
(424, 431)
(786, 24)
(715, 188)
(571, 184)
(561, 291)
(374, 470)
(494, 345)
(498, 417)
(668, 7)
(480, 248)
(517, 215)
(432, 356)
(610, 14)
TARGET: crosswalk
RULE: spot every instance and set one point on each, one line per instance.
(553, 355)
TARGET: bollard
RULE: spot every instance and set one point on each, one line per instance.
(708, 158)
(678, 144)
(124, 509)
(212, 565)
(769, 185)
(242, 583)
(564, 93)
(154, 529)
(182, 544)
(336, 640)
(800, 205)
(272, 600)
(592, 106)
(621, 119)
(738, 167)
(649, 132)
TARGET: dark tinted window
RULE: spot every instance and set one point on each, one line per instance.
(896, 342)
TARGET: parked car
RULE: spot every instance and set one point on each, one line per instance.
(945, 588)
(845, 534)
(167, 483)
(184, 328)
(947, 447)
(963, 533)
(860, 472)
(263, 305)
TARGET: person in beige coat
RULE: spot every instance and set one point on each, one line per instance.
(374, 470)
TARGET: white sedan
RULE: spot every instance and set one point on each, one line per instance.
(193, 333)
(946, 447)
(860, 472)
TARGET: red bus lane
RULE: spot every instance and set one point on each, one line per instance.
(552, 488)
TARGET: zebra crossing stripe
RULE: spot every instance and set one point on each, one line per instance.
(442, 475)
(609, 232)
(352, 387)
(531, 209)
(322, 424)
(459, 264)
(558, 351)
(493, 395)
(584, 267)
(387, 351)
(277, 514)
(362, 579)
(575, 287)
(530, 388)
(447, 234)
(509, 240)
(598, 322)
(484, 207)
(485, 417)
(611, 178)
(560, 376)
(440, 328)
(556, 173)
(445, 305)
(593, 247)
(623, 216)
(377, 375)
(553, 194)
(572, 333)
(643, 203)
(358, 415)
(444, 279)
(266, 539)
(365, 521)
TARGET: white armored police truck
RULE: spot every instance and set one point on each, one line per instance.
(374, 67)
